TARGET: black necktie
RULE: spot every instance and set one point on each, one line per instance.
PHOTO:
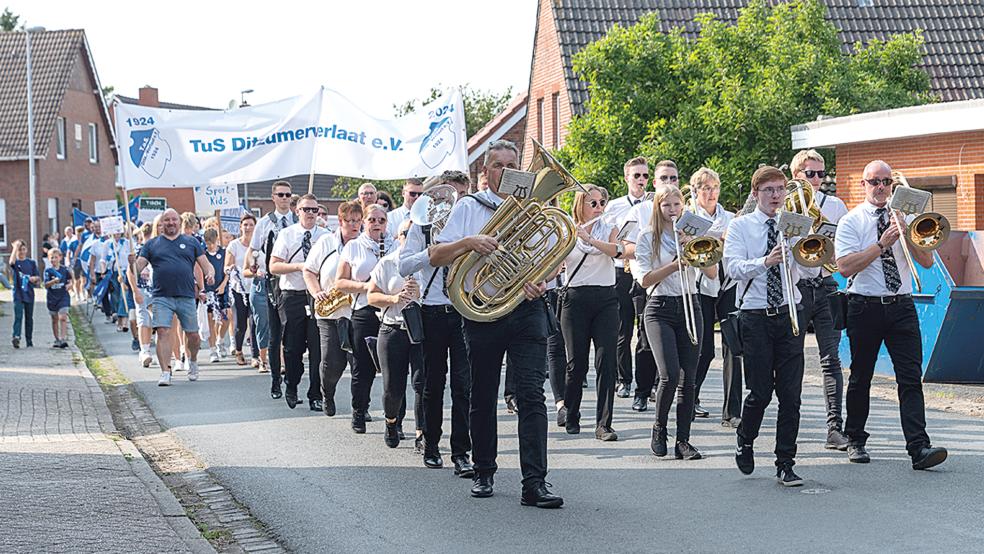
(636, 201)
(774, 279)
(283, 222)
(306, 244)
(891, 270)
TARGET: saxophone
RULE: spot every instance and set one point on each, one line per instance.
(336, 300)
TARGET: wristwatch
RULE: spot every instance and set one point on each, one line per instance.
(619, 250)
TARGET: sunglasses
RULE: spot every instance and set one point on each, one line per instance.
(309, 210)
(414, 194)
(376, 220)
(385, 205)
(643, 175)
(283, 194)
(596, 203)
(886, 182)
(810, 173)
(670, 178)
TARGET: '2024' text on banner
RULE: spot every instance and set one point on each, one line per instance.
(322, 133)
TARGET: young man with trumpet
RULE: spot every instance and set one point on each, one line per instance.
(444, 342)
(757, 257)
(881, 310)
(815, 286)
(522, 334)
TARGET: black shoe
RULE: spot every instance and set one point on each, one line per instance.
(30, 344)
(640, 404)
(433, 460)
(605, 434)
(745, 457)
(359, 422)
(652, 395)
(511, 406)
(463, 467)
(482, 486)
(16, 342)
(368, 416)
(539, 496)
(399, 431)
(584, 383)
(275, 392)
(787, 477)
(562, 416)
(390, 436)
(291, 398)
(700, 412)
(573, 424)
(928, 457)
(685, 451)
(731, 422)
(836, 440)
(329, 407)
(856, 454)
(623, 391)
(658, 441)
(316, 405)
(418, 445)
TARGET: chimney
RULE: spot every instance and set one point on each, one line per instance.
(148, 97)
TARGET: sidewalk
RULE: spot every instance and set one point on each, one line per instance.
(69, 482)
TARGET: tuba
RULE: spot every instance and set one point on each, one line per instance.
(534, 238)
(336, 300)
(433, 207)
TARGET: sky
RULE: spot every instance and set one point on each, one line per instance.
(376, 52)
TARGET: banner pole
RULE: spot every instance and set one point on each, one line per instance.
(129, 236)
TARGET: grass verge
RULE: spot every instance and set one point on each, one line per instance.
(95, 357)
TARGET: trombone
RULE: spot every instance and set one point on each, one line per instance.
(928, 231)
(689, 317)
(813, 250)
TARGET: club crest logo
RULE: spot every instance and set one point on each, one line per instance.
(149, 151)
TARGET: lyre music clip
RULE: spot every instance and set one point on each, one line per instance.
(516, 183)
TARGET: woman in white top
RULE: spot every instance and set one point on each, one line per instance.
(359, 257)
(391, 293)
(589, 311)
(240, 286)
(655, 268)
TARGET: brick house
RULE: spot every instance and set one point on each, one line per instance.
(954, 33)
(939, 148)
(74, 145)
(509, 125)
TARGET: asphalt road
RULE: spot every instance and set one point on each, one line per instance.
(319, 487)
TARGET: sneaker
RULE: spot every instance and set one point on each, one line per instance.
(623, 390)
(836, 440)
(135, 345)
(16, 342)
(928, 457)
(145, 359)
(56, 344)
(192, 371)
(787, 477)
(511, 406)
(263, 367)
(165, 379)
(213, 357)
(255, 363)
(176, 365)
(685, 451)
(700, 411)
(240, 359)
(744, 457)
(856, 454)
(63, 345)
(731, 422)
(562, 416)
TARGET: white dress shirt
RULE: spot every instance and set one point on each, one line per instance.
(362, 254)
(647, 260)
(395, 218)
(263, 228)
(467, 218)
(859, 230)
(831, 207)
(386, 276)
(598, 268)
(744, 261)
(323, 260)
(721, 219)
(616, 214)
(237, 281)
(414, 258)
(288, 248)
(642, 214)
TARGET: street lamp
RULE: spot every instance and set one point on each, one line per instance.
(32, 184)
(242, 97)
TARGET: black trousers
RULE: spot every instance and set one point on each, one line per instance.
(626, 321)
(644, 362)
(523, 336)
(590, 313)
(897, 326)
(276, 335)
(716, 309)
(556, 355)
(333, 358)
(365, 323)
(816, 308)
(241, 303)
(445, 340)
(399, 358)
(674, 355)
(773, 362)
(300, 334)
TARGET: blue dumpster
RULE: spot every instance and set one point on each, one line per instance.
(951, 314)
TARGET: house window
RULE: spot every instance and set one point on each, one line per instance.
(539, 120)
(52, 215)
(60, 133)
(93, 144)
(555, 101)
(3, 222)
(944, 191)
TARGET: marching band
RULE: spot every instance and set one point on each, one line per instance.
(454, 284)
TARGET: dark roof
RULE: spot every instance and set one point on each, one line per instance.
(953, 31)
(323, 184)
(53, 55)
(165, 105)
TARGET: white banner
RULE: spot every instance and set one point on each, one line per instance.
(209, 198)
(105, 208)
(323, 132)
(111, 225)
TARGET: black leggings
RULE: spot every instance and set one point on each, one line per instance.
(398, 357)
(365, 324)
(241, 303)
(674, 354)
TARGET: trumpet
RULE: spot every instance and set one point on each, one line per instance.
(336, 300)
(928, 231)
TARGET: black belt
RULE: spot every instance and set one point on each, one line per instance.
(397, 327)
(438, 309)
(812, 282)
(894, 299)
(769, 312)
(293, 292)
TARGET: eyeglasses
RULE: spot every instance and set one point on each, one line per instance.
(310, 210)
(817, 173)
(283, 194)
(352, 221)
(596, 203)
(670, 178)
(376, 220)
(643, 175)
(886, 182)
(772, 191)
(367, 193)
(414, 194)
(384, 205)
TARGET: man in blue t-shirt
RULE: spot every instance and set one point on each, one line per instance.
(173, 257)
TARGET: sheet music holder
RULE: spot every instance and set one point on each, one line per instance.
(795, 225)
(693, 225)
(909, 200)
(517, 183)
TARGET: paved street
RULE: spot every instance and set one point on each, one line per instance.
(319, 487)
(68, 482)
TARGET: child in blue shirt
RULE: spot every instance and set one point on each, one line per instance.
(217, 297)
(58, 281)
(25, 278)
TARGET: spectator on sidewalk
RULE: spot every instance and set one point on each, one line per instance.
(173, 257)
(25, 276)
(58, 281)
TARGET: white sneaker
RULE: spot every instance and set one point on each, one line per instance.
(145, 359)
(165, 379)
(213, 358)
(192, 371)
(176, 365)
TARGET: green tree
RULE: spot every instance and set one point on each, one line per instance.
(480, 105)
(726, 99)
(8, 21)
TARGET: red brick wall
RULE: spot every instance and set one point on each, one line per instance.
(514, 135)
(546, 79)
(960, 154)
